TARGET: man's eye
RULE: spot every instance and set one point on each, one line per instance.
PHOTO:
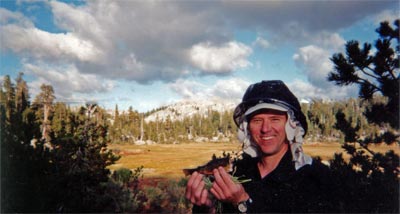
(256, 121)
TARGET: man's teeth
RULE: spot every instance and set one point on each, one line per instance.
(267, 138)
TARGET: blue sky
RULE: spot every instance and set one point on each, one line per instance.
(146, 54)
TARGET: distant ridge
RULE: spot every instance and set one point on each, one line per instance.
(188, 108)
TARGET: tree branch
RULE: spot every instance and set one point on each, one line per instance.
(369, 83)
(368, 74)
(365, 146)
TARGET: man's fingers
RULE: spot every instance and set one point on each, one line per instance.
(204, 197)
(227, 178)
(193, 184)
(196, 195)
(224, 180)
(189, 186)
(219, 180)
(217, 191)
(196, 181)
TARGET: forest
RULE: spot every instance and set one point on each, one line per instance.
(219, 127)
(54, 156)
(49, 120)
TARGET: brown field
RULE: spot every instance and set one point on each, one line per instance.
(168, 160)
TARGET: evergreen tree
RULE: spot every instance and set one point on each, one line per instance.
(23, 167)
(9, 100)
(136, 125)
(80, 167)
(59, 120)
(21, 94)
(115, 132)
(24, 118)
(45, 101)
(370, 180)
(73, 176)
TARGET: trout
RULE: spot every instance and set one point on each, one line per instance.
(207, 169)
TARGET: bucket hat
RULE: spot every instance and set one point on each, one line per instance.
(269, 92)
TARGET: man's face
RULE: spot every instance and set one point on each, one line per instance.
(267, 129)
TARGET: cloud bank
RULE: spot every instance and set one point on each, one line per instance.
(98, 43)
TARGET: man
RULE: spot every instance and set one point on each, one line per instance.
(283, 178)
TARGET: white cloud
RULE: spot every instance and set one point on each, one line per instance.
(189, 89)
(315, 64)
(220, 59)
(231, 89)
(41, 44)
(386, 15)
(261, 42)
(224, 89)
(297, 20)
(158, 33)
(305, 90)
(7, 16)
(132, 64)
(66, 80)
(81, 21)
(314, 61)
(150, 41)
(170, 37)
(330, 41)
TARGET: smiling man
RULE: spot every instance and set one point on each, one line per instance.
(283, 178)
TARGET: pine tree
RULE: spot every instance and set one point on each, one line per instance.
(45, 101)
(80, 166)
(73, 176)
(23, 167)
(9, 100)
(21, 94)
(370, 179)
(134, 123)
(116, 128)
(23, 118)
(59, 120)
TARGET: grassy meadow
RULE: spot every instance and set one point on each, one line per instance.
(168, 160)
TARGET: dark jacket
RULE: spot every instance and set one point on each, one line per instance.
(286, 190)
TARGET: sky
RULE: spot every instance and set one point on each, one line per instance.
(147, 54)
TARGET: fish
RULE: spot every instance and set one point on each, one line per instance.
(207, 169)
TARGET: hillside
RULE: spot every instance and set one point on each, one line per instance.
(188, 108)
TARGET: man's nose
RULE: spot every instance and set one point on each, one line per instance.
(266, 126)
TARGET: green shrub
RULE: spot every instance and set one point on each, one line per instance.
(167, 197)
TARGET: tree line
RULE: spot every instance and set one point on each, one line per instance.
(44, 119)
(54, 159)
(219, 126)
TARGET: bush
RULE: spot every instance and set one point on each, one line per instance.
(167, 197)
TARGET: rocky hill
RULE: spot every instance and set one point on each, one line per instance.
(188, 108)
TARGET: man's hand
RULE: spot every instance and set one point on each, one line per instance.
(224, 189)
(195, 191)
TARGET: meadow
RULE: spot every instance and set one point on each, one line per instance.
(168, 160)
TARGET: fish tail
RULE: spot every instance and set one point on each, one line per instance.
(187, 172)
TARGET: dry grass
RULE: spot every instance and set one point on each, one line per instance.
(166, 160)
